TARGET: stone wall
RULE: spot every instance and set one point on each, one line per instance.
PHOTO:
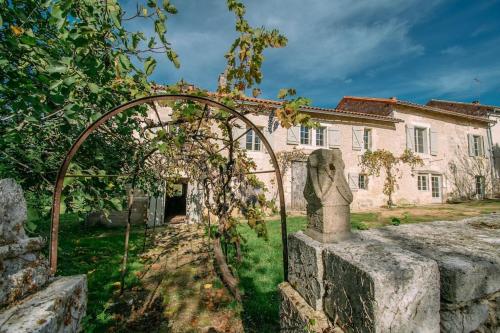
(432, 277)
(30, 299)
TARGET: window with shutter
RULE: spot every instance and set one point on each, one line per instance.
(357, 138)
(353, 179)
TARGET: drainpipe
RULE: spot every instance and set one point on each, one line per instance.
(492, 159)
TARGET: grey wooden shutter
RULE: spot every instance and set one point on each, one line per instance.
(434, 142)
(293, 135)
(426, 141)
(357, 138)
(470, 140)
(333, 137)
(353, 179)
(410, 137)
(482, 146)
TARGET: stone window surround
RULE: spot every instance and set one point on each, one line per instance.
(427, 140)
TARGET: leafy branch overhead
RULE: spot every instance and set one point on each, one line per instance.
(64, 63)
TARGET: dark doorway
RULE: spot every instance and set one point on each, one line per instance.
(175, 205)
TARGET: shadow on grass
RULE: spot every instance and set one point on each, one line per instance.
(260, 273)
(96, 252)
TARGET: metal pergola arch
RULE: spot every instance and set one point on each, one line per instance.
(56, 201)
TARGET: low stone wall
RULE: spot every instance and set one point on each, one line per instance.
(30, 299)
(431, 277)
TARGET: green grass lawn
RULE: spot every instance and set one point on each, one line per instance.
(96, 252)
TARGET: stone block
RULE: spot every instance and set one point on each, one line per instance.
(296, 316)
(305, 268)
(464, 319)
(372, 286)
(467, 253)
(13, 212)
(59, 308)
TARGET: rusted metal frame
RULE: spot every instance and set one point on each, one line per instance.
(95, 176)
(56, 202)
(258, 172)
(239, 137)
(205, 109)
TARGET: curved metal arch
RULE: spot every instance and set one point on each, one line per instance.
(56, 201)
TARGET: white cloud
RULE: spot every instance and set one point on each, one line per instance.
(460, 82)
(453, 50)
(337, 39)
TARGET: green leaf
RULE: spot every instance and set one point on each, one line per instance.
(160, 28)
(94, 88)
(174, 58)
(57, 69)
(282, 93)
(124, 61)
(57, 16)
(28, 40)
(149, 65)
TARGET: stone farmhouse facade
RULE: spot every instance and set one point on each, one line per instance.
(455, 144)
(458, 143)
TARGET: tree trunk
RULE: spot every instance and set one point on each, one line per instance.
(225, 273)
(238, 251)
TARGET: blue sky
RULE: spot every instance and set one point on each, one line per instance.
(412, 49)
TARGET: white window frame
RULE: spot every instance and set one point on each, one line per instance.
(367, 144)
(254, 144)
(313, 136)
(438, 177)
(305, 133)
(477, 145)
(420, 183)
(423, 130)
(324, 132)
(363, 185)
(480, 191)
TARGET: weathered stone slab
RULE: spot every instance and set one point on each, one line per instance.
(372, 286)
(464, 319)
(296, 316)
(13, 212)
(305, 268)
(59, 308)
(23, 246)
(467, 252)
(15, 286)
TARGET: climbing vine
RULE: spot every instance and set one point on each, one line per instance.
(373, 162)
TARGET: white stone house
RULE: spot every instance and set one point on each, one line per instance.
(439, 136)
(456, 148)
